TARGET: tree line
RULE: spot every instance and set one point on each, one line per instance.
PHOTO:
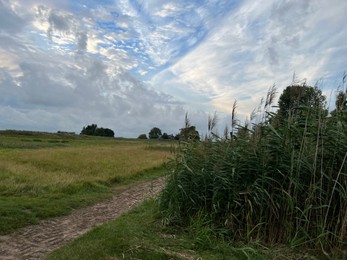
(186, 133)
(295, 103)
(94, 130)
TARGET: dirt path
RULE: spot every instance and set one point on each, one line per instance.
(34, 242)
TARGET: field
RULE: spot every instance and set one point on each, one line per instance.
(45, 175)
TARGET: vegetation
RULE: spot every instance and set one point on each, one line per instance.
(142, 136)
(283, 180)
(139, 234)
(165, 136)
(189, 132)
(155, 133)
(45, 175)
(93, 129)
(296, 100)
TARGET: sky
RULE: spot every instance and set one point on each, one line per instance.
(130, 65)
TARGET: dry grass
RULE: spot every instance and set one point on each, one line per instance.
(64, 166)
(74, 172)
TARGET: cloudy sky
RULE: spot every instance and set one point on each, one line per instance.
(130, 65)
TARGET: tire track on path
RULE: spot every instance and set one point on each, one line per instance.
(36, 241)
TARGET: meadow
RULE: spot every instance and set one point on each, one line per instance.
(45, 175)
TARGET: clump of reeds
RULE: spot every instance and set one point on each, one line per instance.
(284, 180)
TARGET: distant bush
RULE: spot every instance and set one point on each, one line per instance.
(142, 136)
(94, 130)
(165, 136)
(189, 132)
(66, 133)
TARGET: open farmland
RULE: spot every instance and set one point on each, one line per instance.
(44, 175)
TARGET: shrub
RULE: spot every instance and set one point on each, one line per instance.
(142, 136)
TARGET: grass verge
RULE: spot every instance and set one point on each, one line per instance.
(140, 234)
(19, 211)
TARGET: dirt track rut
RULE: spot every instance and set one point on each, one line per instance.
(36, 241)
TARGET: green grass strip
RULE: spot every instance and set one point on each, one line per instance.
(140, 234)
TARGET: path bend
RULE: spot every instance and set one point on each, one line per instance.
(36, 241)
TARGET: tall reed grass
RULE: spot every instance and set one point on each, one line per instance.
(279, 181)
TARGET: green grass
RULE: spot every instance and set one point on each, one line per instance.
(45, 175)
(140, 234)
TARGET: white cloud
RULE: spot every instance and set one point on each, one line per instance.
(9, 63)
(168, 9)
(66, 94)
(255, 46)
(10, 20)
(65, 65)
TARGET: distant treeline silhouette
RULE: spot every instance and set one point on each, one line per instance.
(93, 129)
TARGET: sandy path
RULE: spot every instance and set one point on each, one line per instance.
(36, 241)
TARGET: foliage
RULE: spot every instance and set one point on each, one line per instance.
(89, 129)
(155, 133)
(94, 130)
(142, 136)
(280, 183)
(298, 100)
(340, 104)
(104, 132)
(188, 132)
(341, 101)
(165, 136)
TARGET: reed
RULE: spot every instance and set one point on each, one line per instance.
(281, 181)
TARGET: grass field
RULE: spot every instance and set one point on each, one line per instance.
(44, 175)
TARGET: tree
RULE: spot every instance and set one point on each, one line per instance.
(341, 101)
(89, 130)
(155, 133)
(189, 133)
(104, 132)
(142, 136)
(340, 111)
(299, 101)
(94, 130)
(165, 136)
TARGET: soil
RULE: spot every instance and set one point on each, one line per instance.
(36, 241)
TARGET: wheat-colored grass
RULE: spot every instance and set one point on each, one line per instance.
(64, 166)
(72, 172)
